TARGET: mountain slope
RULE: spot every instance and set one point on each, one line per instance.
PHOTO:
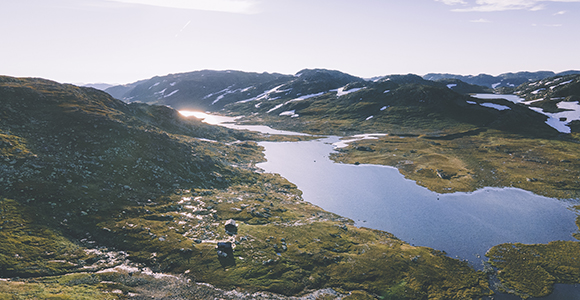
(89, 182)
(502, 80)
(555, 89)
(200, 90)
(403, 103)
(212, 90)
(557, 97)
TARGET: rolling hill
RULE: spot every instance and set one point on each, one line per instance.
(503, 80)
(100, 196)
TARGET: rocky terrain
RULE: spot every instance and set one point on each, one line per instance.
(447, 141)
(213, 90)
(107, 200)
(501, 81)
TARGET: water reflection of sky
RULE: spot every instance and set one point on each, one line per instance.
(207, 118)
(463, 224)
(229, 122)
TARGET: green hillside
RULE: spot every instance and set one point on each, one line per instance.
(89, 183)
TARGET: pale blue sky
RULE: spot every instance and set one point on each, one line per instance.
(121, 41)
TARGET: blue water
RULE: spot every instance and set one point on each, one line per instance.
(464, 225)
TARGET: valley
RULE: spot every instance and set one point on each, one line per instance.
(85, 175)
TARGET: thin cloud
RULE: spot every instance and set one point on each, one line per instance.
(503, 5)
(182, 28)
(480, 21)
(230, 6)
(452, 2)
(560, 13)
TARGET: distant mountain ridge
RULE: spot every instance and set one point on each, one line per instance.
(212, 90)
(98, 86)
(502, 80)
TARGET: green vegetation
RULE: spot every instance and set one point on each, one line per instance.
(90, 183)
(284, 245)
(445, 141)
(532, 270)
(436, 139)
(476, 159)
(57, 288)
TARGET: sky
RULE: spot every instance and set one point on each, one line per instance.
(122, 41)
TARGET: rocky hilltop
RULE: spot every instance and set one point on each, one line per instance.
(406, 101)
(404, 104)
(107, 200)
(503, 80)
(551, 93)
(212, 90)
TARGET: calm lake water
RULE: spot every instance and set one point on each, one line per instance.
(465, 225)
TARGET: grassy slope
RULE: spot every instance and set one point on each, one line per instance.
(81, 169)
(472, 146)
(450, 146)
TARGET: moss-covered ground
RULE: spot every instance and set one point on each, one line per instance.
(89, 183)
(532, 270)
(476, 159)
(284, 245)
(447, 147)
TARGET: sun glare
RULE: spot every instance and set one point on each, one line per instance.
(197, 114)
(206, 118)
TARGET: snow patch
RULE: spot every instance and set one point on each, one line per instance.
(154, 85)
(562, 83)
(495, 106)
(293, 100)
(452, 85)
(495, 85)
(538, 90)
(171, 94)
(387, 91)
(370, 136)
(490, 105)
(368, 118)
(291, 113)
(560, 120)
(341, 92)
(265, 94)
(220, 97)
(305, 97)
(276, 107)
(384, 107)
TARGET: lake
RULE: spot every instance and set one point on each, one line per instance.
(465, 225)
